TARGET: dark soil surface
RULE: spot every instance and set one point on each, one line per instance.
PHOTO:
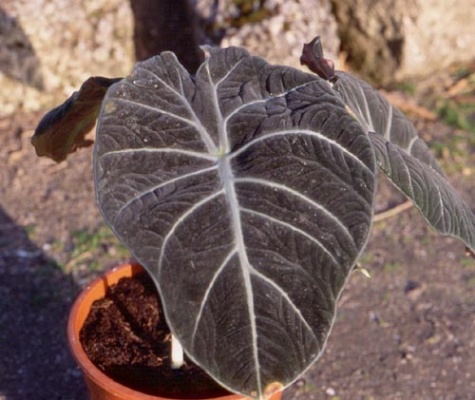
(406, 333)
(126, 336)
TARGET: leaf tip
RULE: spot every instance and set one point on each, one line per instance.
(207, 51)
(312, 57)
(358, 267)
(469, 252)
(272, 388)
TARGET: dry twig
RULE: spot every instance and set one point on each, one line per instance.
(393, 211)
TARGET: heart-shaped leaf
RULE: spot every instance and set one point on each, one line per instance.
(247, 192)
(407, 161)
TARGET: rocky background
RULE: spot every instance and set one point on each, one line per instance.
(49, 47)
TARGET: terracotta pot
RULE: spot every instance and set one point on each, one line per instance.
(100, 386)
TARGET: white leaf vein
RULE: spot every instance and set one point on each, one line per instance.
(202, 130)
(160, 111)
(389, 122)
(294, 229)
(230, 71)
(208, 291)
(295, 193)
(307, 132)
(263, 101)
(171, 150)
(160, 185)
(408, 172)
(179, 221)
(442, 209)
(222, 137)
(288, 300)
(230, 192)
(411, 144)
(195, 122)
(367, 114)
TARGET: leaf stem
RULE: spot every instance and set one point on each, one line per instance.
(177, 355)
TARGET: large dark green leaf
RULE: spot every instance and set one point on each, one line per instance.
(407, 161)
(247, 193)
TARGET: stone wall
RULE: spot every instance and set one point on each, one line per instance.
(391, 40)
(280, 30)
(49, 47)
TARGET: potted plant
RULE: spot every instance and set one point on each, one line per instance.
(246, 191)
(121, 382)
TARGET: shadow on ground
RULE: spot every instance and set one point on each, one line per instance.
(35, 297)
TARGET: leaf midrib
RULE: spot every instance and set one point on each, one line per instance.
(227, 179)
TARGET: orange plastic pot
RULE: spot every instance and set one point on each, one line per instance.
(100, 386)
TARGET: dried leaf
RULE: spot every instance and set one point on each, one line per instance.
(62, 130)
(312, 57)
